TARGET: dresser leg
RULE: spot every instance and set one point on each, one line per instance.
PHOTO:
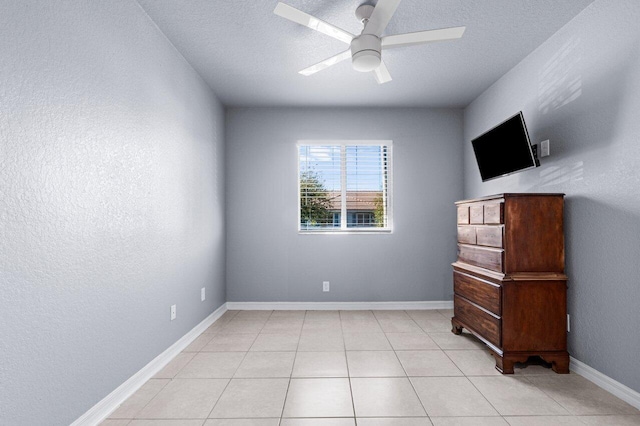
(559, 363)
(456, 329)
(505, 366)
(505, 363)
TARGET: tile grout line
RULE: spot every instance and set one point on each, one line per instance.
(346, 361)
(236, 370)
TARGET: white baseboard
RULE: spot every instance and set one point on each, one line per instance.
(108, 404)
(612, 386)
(336, 306)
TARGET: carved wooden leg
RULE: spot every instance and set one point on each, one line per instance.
(559, 363)
(456, 329)
(503, 365)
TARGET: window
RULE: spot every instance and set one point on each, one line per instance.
(344, 186)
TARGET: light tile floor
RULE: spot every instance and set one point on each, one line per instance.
(364, 368)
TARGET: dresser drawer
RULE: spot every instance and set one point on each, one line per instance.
(482, 292)
(476, 214)
(484, 257)
(463, 215)
(494, 213)
(467, 234)
(489, 236)
(480, 321)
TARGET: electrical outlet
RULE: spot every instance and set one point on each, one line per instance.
(173, 312)
(325, 286)
(202, 295)
(568, 323)
(544, 148)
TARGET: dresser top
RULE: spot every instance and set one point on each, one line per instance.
(511, 195)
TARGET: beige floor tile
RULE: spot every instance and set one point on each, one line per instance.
(321, 341)
(251, 398)
(282, 326)
(136, 402)
(318, 398)
(366, 342)
(411, 341)
(451, 397)
(427, 363)
(184, 399)
(374, 364)
(275, 342)
(357, 315)
(385, 397)
(474, 363)
(253, 315)
(447, 313)
(322, 325)
(399, 326)
(227, 316)
(449, 340)
(212, 365)
(115, 422)
(395, 421)
(435, 324)
(424, 314)
(181, 422)
(580, 396)
(361, 326)
(266, 364)
(293, 315)
(617, 420)
(469, 421)
(230, 343)
(516, 396)
(250, 326)
(320, 364)
(242, 422)
(322, 315)
(199, 342)
(318, 422)
(544, 421)
(175, 365)
(391, 315)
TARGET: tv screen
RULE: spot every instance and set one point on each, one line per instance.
(504, 149)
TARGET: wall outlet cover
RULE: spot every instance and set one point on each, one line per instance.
(326, 286)
(173, 312)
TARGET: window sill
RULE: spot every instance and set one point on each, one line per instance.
(345, 231)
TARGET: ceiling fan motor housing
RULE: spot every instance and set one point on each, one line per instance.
(365, 52)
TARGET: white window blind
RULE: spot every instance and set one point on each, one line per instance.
(344, 186)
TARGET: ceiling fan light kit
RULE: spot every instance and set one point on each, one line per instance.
(365, 49)
(365, 52)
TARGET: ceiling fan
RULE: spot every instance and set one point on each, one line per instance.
(365, 49)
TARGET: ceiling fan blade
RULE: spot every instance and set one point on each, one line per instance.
(382, 73)
(381, 16)
(302, 18)
(420, 37)
(326, 63)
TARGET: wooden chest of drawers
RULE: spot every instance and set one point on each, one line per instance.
(509, 282)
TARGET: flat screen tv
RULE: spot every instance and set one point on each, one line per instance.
(504, 149)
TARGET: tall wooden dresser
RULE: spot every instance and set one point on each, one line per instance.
(510, 289)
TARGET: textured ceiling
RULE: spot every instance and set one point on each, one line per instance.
(251, 57)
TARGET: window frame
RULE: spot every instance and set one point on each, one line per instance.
(389, 187)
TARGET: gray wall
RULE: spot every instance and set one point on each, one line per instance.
(111, 203)
(581, 90)
(267, 260)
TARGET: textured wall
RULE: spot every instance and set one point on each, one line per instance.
(111, 202)
(581, 90)
(267, 260)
